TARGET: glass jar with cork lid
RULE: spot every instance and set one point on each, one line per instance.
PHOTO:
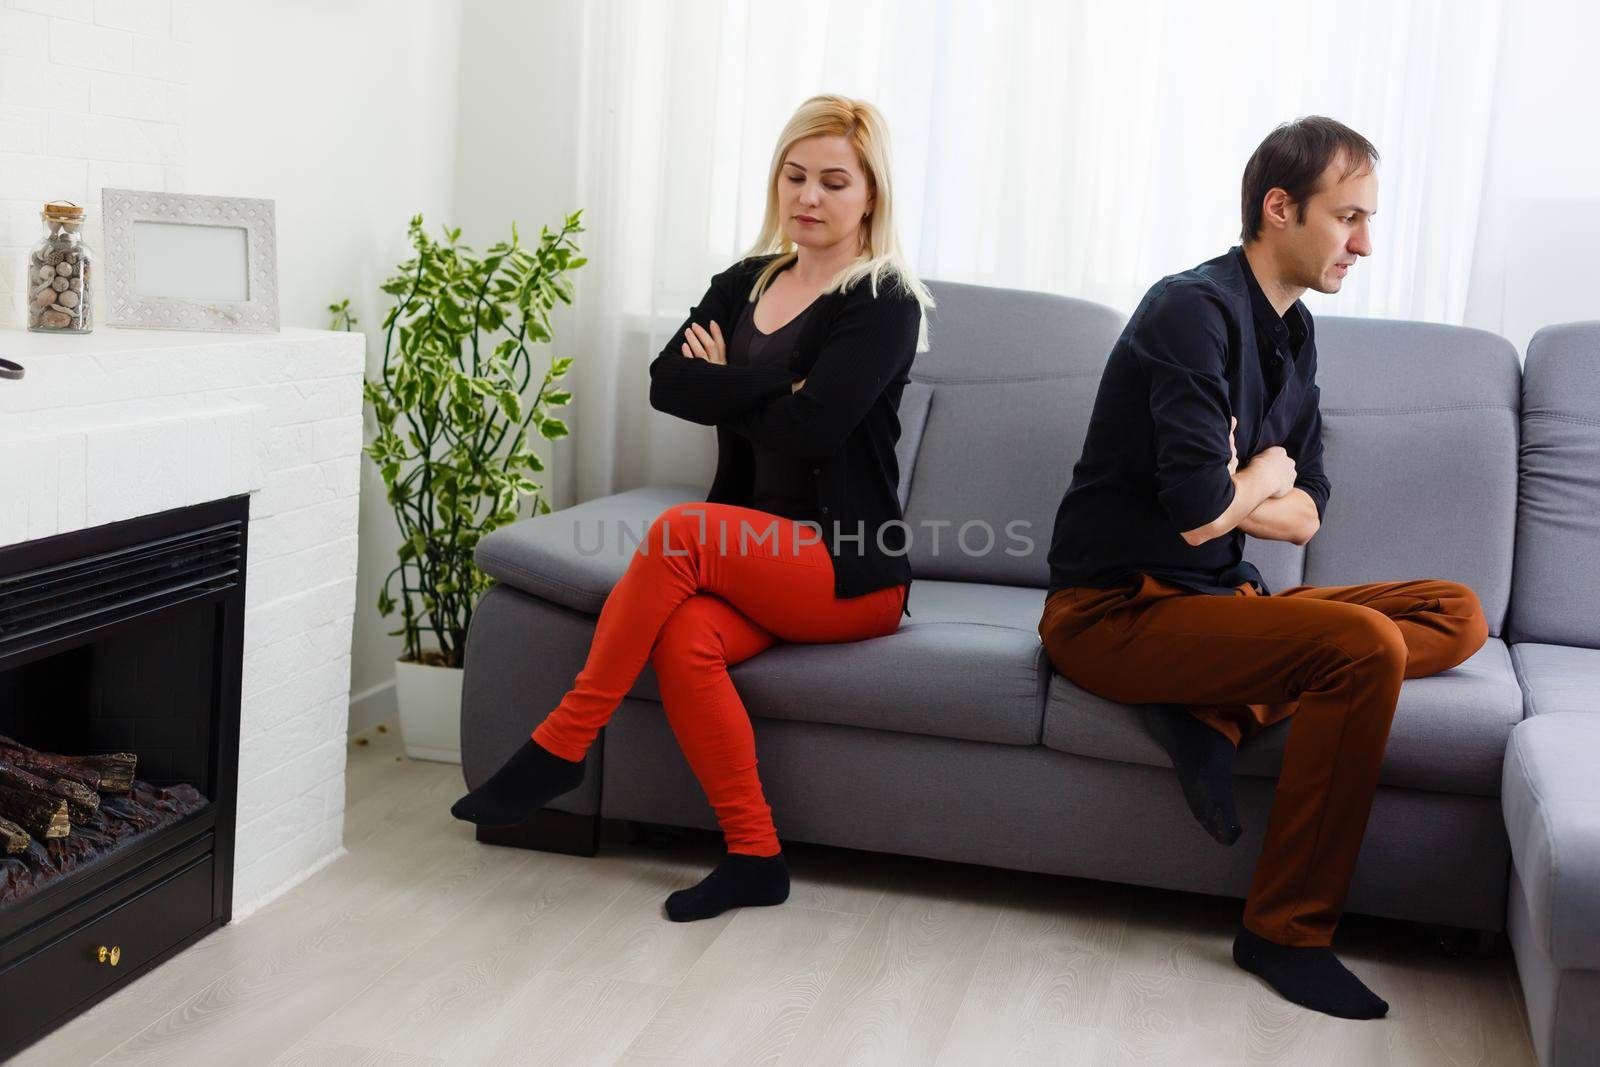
(60, 274)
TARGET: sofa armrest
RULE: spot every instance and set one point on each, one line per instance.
(574, 556)
(1551, 798)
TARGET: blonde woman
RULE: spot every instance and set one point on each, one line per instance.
(797, 354)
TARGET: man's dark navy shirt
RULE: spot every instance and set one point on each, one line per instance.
(1203, 346)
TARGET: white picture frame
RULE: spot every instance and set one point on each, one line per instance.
(182, 261)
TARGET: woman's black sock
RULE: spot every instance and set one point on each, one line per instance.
(739, 881)
(1311, 977)
(1203, 759)
(530, 779)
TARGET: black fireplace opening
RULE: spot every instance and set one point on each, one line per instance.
(120, 666)
(145, 692)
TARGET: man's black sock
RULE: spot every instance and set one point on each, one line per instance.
(738, 881)
(1311, 977)
(1203, 759)
(530, 779)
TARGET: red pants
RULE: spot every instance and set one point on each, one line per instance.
(709, 587)
(1332, 657)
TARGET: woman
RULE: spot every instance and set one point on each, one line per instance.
(798, 355)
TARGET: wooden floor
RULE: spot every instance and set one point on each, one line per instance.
(424, 947)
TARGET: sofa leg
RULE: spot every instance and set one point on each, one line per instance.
(655, 835)
(1457, 941)
(549, 831)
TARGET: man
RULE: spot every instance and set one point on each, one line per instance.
(1152, 603)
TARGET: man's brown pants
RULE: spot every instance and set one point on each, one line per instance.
(1332, 657)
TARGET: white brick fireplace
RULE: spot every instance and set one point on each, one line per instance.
(121, 423)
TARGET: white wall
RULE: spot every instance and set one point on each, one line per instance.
(345, 114)
(92, 93)
(516, 161)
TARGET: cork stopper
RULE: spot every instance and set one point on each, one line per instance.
(61, 211)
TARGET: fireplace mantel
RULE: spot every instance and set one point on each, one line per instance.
(120, 423)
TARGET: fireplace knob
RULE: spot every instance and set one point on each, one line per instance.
(114, 954)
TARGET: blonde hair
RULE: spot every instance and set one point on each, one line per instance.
(880, 259)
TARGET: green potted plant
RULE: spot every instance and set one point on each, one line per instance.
(455, 423)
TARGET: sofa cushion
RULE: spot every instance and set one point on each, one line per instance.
(1558, 539)
(966, 664)
(1558, 677)
(1551, 798)
(574, 556)
(1449, 731)
(1420, 431)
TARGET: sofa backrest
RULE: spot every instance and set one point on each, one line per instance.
(1013, 376)
(1419, 432)
(1556, 595)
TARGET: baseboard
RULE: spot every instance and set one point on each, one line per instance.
(373, 705)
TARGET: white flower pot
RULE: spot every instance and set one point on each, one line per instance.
(430, 710)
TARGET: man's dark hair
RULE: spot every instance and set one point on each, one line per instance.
(1292, 158)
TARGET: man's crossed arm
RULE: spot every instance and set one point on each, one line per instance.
(1266, 503)
(1290, 518)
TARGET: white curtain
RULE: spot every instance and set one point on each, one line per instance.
(1082, 148)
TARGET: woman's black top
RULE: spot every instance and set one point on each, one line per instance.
(780, 484)
(854, 350)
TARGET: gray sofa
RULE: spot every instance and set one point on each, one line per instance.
(953, 738)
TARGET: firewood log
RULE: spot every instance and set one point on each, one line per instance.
(42, 816)
(83, 801)
(114, 769)
(109, 773)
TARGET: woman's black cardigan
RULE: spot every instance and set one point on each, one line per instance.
(854, 352)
